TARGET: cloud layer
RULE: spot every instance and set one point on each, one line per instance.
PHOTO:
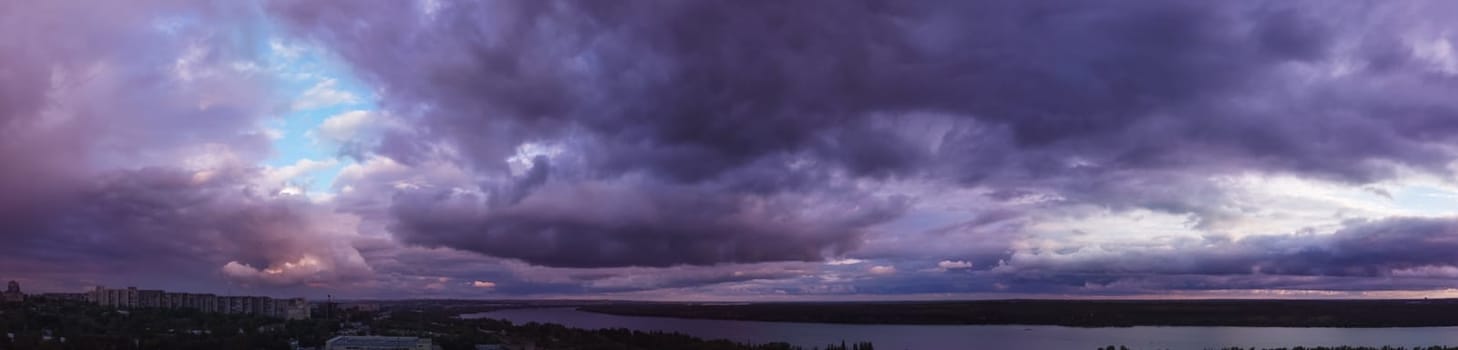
(736, 149)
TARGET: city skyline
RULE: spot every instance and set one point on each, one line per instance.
(731, 150)
(134, 298)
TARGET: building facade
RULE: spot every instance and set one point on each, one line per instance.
(82, 297)
(132, 298)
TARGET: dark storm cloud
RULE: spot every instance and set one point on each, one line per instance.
(617, 224)
(1396, 253)
(602, 146)
(157, 218)
(711, 86)
(707, 105)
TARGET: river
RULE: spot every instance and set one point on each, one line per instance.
(938, 337)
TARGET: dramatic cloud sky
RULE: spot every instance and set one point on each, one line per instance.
(731, 150)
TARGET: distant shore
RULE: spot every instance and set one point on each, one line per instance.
(1075, 313)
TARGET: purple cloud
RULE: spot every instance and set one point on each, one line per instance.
(668, 118)
(709, 148)
(130, 138)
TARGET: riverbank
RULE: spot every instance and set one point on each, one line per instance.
(1075, 313)
(961, 337)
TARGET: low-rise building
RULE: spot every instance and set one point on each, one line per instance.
(357, 306)
(292, 309)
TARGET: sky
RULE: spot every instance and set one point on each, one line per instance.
(731, 150)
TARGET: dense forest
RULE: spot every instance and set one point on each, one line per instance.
(1077, 313)
(552, 336)
(74, 325)
(451, 332)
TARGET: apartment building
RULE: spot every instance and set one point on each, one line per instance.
(132, 298)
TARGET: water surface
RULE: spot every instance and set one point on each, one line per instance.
(938, 337)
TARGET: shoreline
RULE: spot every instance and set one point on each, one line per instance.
(1080, 314)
